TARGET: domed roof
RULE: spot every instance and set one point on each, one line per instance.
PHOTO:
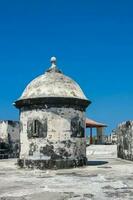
(53, 83)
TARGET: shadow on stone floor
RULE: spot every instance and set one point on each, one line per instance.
(96, 162)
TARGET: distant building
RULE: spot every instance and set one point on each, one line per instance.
(9, 138)
(111, 139)
(52, 120)
(124, 133)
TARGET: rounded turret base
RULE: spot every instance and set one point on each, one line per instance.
(51, 164)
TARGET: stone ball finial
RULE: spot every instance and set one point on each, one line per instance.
(53, 60)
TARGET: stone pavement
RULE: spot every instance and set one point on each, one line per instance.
(105, 178)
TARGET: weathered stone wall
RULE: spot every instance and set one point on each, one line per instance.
(9, 134)
(62, 134)
(3, 131)
(125, 140)
(13, 130)
(9, 128)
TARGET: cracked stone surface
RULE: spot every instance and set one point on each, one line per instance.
(52, 83)
(106, 178)
(124, 133)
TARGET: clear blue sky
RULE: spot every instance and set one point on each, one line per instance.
(92, 40)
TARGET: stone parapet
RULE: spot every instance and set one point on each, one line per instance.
(125, 140)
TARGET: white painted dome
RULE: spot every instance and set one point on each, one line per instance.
(53, 84)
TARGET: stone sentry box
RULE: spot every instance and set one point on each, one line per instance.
(52, 120)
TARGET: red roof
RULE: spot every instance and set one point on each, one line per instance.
(93, 124)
